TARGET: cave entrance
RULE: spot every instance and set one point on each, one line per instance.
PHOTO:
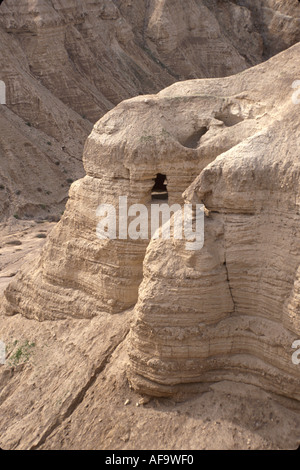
(159, 190)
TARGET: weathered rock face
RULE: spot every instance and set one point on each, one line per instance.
(68, 62)
(231, 310)
(94, 274)
(277, 22)
(79, 275)
(228, 311)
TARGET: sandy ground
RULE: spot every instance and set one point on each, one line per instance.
(19, 244)
(64, 386)
(71, 392)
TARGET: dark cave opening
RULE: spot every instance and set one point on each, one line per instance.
(193, 141)
(159, 190)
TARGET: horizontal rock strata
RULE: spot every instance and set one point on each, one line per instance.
(229, 311)
(66, 63)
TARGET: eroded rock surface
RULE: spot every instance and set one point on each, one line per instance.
(229, 311)
(139, 139)
(219, 322)
(67, 62)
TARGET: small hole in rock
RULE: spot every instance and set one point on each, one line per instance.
(193, 141)
(159, 190)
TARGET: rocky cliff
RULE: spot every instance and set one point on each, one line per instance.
(67, 62)
(231, 310)
(228, 311)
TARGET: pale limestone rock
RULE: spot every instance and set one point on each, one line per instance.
(231, 310)
(67, 62)
(129, 147)
(204, 321)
